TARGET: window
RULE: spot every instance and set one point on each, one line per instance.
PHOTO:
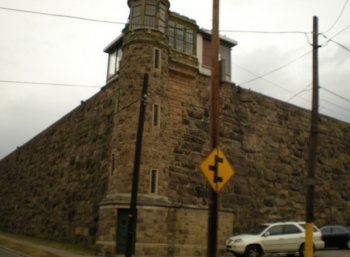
(180, 35)
(290, 229)
(154, 182)
(339, 230)
(157, 58)
(136, 14)
(181, 38)
(189, 41)
(224, 54)
(171, 33)
(162, 17)
(156, 115)
(326, 230)
(150, 13)
(276, 230)
(113, 62)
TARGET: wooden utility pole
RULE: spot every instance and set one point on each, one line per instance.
(214, 128)
(310, 182)
(135, 180)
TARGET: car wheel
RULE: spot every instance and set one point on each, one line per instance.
(348, 244)
(253, 251)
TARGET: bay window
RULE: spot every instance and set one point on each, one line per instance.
(148, 14)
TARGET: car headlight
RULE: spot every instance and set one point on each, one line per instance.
(229, 241)
(238, 241)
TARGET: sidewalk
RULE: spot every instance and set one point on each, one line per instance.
(30, 249)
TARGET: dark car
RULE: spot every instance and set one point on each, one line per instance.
(336, 236)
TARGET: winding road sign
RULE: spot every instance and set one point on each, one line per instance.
(217, 169)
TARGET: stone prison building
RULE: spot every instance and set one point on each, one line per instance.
(73, 181)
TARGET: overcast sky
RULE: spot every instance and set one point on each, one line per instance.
(57, 50)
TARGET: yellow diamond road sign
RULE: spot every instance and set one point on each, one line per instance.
(216, 169)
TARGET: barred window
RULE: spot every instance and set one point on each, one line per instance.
(150, 13)
(180, 35)
(171, 33)
(136, 14)
(162, 17)
(189, 41)
(181, 38)
(154, 182)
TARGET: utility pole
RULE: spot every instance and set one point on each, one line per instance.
(310, 181)
(135, 180)
(214, 129)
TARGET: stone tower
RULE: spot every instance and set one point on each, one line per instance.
(142, 48)
(172, 193)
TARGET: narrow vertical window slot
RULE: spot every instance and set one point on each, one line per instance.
(156, 115)
(154, 180)
(156, 58)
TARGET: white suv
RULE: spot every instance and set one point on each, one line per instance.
(273, 238)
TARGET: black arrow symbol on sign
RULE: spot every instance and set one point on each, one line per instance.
(215, 169)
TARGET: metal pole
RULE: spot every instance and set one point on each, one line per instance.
(214, 131)
(135, 180)
(312, 146)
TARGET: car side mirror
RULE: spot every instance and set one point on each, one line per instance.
(267, 234)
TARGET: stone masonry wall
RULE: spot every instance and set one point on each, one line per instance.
(51, 186)
(265, 141)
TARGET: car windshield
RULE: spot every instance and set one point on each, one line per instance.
(258, 230)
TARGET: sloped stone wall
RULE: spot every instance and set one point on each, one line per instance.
(51, 186)
(266, 142)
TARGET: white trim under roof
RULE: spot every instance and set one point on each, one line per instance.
(112, 43)
(222, 38)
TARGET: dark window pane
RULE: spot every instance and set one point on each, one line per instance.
(276, 230)
(339, 230)
(326, 230)
(180, 37)
(189, 41)
(290, 229)
(171, 33)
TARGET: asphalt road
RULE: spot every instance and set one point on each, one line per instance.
(332, 253)
(5, 253)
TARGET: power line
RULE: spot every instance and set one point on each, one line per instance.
(274, 84)
(347, 49)
(266, 32)
(61, 16)
(305, 89)
(49, 84)
(341, 13)
(335, 105)
(276, 69)
(329, 39)
(124, 23)
(335, 94)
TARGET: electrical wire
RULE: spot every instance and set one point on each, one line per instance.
(347, 49)
(325, 89)
(275, 69)
(341, 13)
(124, 23)
(329, 39)
(272, 83)
(303, 90)
(49, 84)
(61, 16)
